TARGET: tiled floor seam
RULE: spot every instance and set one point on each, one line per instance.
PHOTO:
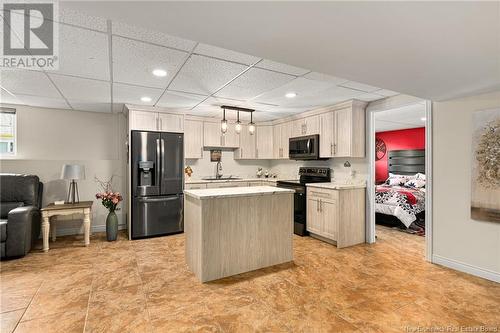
(143, 288)
(26, 308)
(88, 300)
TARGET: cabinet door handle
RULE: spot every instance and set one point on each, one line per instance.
(256, 153)
(161, 124)
(201, 151)
(334, 149)
(331, 149)
(317, 205)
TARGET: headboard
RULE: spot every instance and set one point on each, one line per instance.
(406, 162)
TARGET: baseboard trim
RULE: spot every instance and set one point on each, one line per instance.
(466, 268)
(66, 231)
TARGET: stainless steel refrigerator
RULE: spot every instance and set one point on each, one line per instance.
(157, 183)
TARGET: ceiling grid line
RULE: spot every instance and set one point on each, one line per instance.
(228, 83)
(176, 73)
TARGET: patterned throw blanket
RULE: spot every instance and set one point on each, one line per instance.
(402, 202)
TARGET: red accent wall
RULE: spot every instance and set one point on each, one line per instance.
(413, 138)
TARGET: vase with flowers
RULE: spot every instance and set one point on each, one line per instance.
(110, 200)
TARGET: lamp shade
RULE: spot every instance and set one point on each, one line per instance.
(73, 171)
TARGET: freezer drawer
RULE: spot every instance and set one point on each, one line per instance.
(154, 216)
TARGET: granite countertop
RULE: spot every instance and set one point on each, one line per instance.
(337, 186)
(203, 181)
(229, 192)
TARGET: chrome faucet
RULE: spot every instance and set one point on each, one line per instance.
(218, 170)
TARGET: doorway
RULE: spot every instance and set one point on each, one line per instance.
(401, 162)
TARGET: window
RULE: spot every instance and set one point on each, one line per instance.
(7, 132)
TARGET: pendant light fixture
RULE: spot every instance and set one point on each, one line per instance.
(237, 127)
(251, 126)
(223, 123)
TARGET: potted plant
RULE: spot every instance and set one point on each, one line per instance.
(110, 200)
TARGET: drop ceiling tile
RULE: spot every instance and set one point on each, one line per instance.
(383, 126)
(324, 77)
(283, 68)
(172, 99)
(94, 107)
(155, 37)
(359, 86)
(301, 86)
(203, 75)
(386, 93)
(6, 98)
(133, 62)
(83, 53)
(406, 114)
(43, 102)
(218, 52)
(79, 89)
(368, 97)
(253, 83)
(81, 19)
(129, 94)
(23, 82)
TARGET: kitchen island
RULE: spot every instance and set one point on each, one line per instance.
(237, 229)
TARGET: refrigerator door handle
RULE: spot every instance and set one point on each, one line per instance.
(156, 199)
(158, 162)
(162, 158)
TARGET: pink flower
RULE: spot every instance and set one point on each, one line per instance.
(115, 201)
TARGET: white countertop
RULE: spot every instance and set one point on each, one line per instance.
(204, 181)
(229, 192)
(337, 186)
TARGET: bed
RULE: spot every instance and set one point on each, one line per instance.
(400, 200)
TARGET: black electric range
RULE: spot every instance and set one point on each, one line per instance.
(307, 175)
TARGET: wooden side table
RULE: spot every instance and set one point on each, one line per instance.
(83, 207)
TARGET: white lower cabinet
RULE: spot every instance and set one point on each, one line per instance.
(336, 215)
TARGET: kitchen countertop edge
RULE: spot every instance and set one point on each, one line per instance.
(231, 192)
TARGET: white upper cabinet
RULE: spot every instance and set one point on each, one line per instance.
(156, 121)
(247, 146)
(306, 126)
(327, 134)
(342, 131)
(171, 122)
(193, 139)
(264, 138)
(143, 120)
(281, 136)
(213, 137)
(211, 134)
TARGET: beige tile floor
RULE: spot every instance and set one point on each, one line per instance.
(144, 286)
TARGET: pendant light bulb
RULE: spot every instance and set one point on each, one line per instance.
(251, 126)
(223, 123)
(237, 126)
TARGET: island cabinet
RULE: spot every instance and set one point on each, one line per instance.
(281, 136)
(193, 139)
(213, 137)
(144, 120)
(235, 230)
(336, 215)
(342, 131)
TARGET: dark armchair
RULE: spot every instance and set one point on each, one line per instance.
(20, 203)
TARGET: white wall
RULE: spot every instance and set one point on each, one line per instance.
(459, 241)
(242, 168)
(290, 168)
(49, 138)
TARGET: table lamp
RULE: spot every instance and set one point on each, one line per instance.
(73, 172)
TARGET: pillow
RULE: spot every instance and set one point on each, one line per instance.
(396, 180)
(416, 183)
(421, 176)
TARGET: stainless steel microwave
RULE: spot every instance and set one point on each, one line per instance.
(304, 148)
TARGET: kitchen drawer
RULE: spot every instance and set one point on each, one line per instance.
(322, 193)
(194, 186)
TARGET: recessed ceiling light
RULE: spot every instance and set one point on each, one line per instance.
(423, 119)
(290, 95)
(159, 72)
(146, 99)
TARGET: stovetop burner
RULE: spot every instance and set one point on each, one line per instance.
(310, 175)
